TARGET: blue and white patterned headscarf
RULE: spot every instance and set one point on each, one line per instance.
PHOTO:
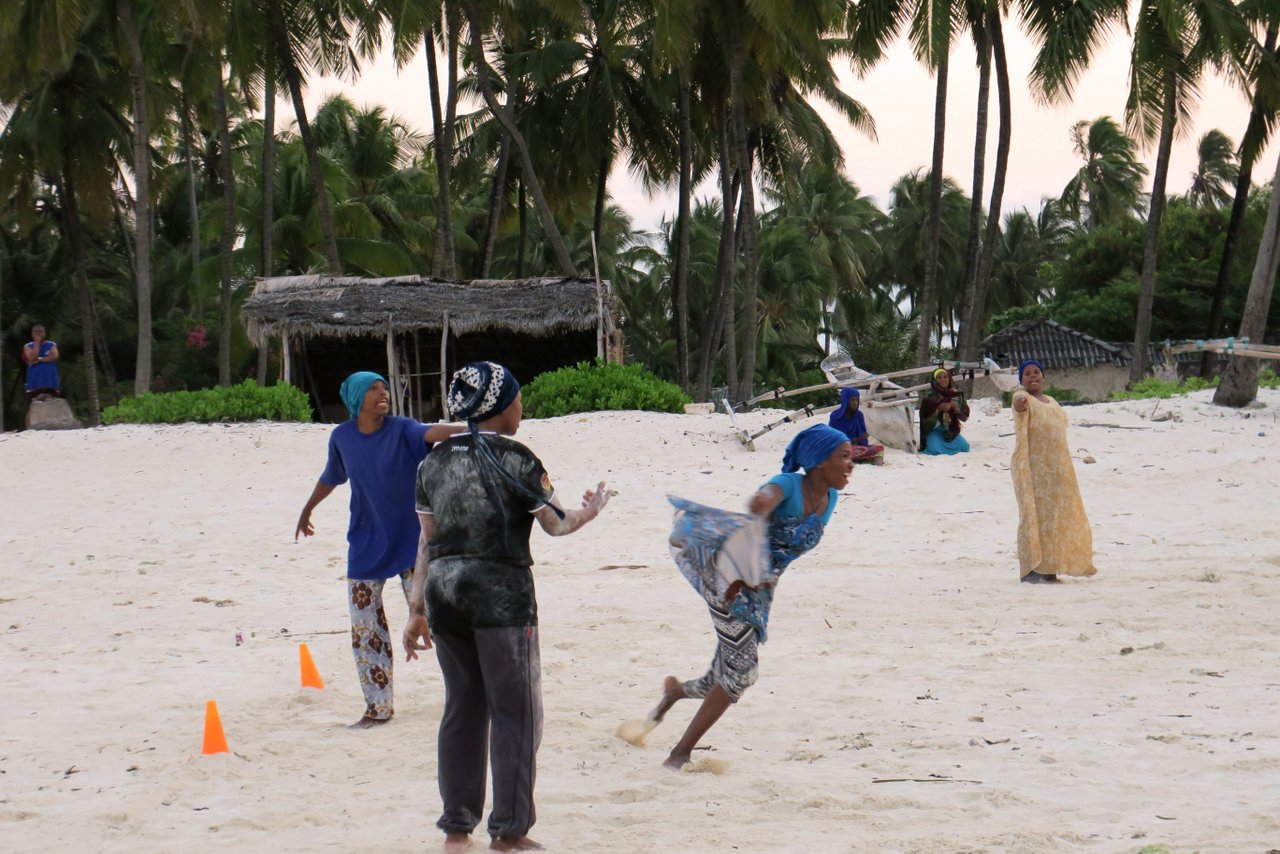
(481, 390)
(478, 391)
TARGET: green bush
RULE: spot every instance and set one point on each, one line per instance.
(588, 387)
(1152, 387)
(245, 402)
(1063, 395)
(1268, 379)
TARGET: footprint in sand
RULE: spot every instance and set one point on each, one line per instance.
(706, 765)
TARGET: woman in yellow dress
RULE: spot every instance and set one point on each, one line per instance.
(1053, 531)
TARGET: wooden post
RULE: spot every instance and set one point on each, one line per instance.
(420, 411)
(391, 369)
(286, 358)
(444, 366)
(595, 261)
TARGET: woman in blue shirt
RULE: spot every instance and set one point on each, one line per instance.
(736, 575)
(379, 455)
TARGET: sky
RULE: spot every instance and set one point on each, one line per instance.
(899, 94)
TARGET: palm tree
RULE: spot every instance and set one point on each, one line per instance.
(66, 123)
(1262, 118)
(317, 33)
(481, 21)
(1239, 385)
(1108, 186)
(973, 316)
(932, 24)
(1172, 45)
(1216, 171)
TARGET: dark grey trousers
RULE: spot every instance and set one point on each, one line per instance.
(492, 715)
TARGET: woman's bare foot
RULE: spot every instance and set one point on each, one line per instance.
(368, 721)
(455, 843)
(672, 692)
(676, 761)
(524, 843)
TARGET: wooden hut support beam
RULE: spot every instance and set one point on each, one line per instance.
(444, 366)
(392, 372)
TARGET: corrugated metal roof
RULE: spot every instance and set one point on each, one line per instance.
(1051, 344)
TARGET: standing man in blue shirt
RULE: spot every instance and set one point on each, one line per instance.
(379, 455)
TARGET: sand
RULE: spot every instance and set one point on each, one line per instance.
(913, 696)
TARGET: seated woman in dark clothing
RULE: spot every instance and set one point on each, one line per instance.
(849, 420)
(942, 410)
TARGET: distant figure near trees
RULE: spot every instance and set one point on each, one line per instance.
(41, 358)
(849, 420)
(942, 410)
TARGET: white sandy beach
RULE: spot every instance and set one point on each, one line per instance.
(913, 696)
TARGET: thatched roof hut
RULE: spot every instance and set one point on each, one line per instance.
(418, 330)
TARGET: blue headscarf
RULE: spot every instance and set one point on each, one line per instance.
(356, 386)
(811, 447)
(481, 390)
(850, 425)
(1024, 365)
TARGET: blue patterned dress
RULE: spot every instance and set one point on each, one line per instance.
(714, 547)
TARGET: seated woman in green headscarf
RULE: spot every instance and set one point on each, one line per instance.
(942, 410)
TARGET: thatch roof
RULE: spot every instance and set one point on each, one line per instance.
(348, 306)
(1053, 345)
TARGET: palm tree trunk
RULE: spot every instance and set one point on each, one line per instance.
(1239, 384)
(75, 240)
(1238, 206)
(1147, 293)
(267, 264)
(522, 207)
(971, 334)
(142, 189)
(726, 259)
(927, 310)
(294, 78)
(971, 255)
(193, 204)
(496, 200)
(442, 143)
(680, 283)
(750, 260)
(226, 246)
(602, 195)
(505, 119)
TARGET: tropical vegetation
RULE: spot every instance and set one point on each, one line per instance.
(146, 178)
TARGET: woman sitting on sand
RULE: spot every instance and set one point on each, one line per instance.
(379, 454)
(1054, 537)
(942, 409)
(736, 575)
(850, 421)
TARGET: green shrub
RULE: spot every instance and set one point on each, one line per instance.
(1063, 395)
(1153, 387)
(588, 387)
(1268, 379)
(245, 402)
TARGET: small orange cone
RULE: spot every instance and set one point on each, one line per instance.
(310, 676)
(215, 741)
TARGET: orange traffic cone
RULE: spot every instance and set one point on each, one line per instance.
(215, 741)
(310, 676)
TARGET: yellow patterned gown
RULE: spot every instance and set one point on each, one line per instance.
(1053, 530)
